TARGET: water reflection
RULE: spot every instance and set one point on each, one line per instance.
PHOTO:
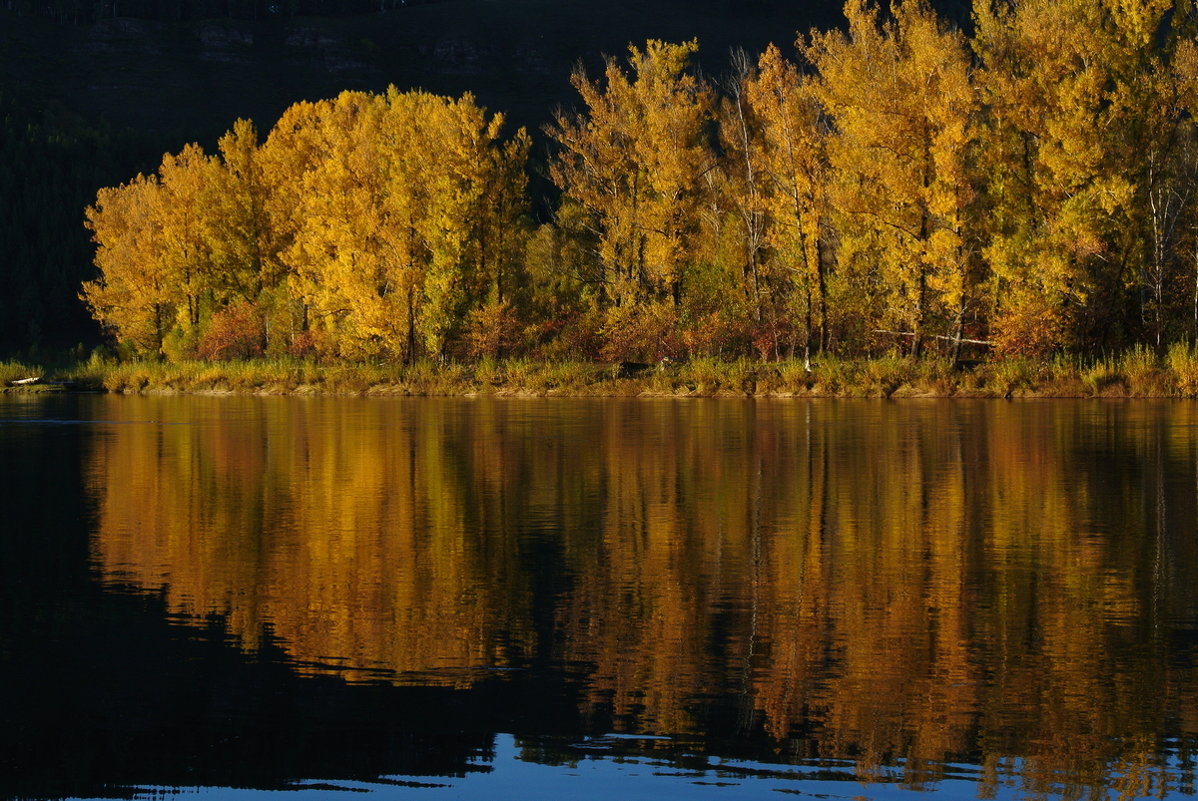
(906, 586)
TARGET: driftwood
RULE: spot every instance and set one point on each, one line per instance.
(24, 382)
(962, 340)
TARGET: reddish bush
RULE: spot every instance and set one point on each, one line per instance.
(235, 332)
(494, 330)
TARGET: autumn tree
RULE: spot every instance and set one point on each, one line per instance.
(163, 251)
(133, 297)
(389, 253)
(631, 170)
(1181, 224)
(899, 97)
(293, 148)
(502, 234)
(1072, 128)
(792, 152)
(354, 263)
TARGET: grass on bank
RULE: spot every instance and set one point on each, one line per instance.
(1137, 373)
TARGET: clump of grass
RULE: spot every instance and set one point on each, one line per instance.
(881, 377)
(1102, 377)
(791, 377)
(127, 377)
(834, 376)
(557, 377)
(927, 377)
(491, 373)
(709, 376)
(271, 375)
(1063, 377)
(1182, 363)
(1140, 368)
(15, 371)
(517, 375)
(1008, 377)
(428, 377)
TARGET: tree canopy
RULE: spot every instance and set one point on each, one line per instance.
(903, 187)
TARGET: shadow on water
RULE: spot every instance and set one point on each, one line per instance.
(100, 690)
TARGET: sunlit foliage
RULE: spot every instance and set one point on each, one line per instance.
(365, 226)
(900, 188)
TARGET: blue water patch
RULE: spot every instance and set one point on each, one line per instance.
(508, 774)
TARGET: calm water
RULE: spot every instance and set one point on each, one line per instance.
(566, 599)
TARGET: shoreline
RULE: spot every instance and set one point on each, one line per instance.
(1136, 374)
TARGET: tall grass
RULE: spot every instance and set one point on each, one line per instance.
(1138, 372)
(1007, 378)
(1182, 363)
(1144, 374)
(15, 371)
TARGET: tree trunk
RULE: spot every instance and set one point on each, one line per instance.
(917, 329)
(410, 351)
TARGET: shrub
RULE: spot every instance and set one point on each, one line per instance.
(493, 331)
(647, 332)
(1032, 330)
(235, 332)
(179, 345)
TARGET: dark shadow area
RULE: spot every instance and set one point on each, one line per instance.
(100, 691)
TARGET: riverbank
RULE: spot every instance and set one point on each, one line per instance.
(1138, 374)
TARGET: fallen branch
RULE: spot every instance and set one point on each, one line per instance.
(935, 336)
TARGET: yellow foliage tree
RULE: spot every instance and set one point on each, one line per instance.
(633, 163)
(901, 103)
(390, 245)
(174, 256)
(133, 296)
(793, 155)
(736, 215)
(1072, 108)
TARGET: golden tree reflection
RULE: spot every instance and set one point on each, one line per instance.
(922, 583)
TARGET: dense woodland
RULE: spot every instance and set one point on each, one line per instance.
(903, 186)
(77, 12)
(49, 169)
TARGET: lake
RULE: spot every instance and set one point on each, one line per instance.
(477, 598)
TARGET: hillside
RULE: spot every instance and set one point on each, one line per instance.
(515, 55)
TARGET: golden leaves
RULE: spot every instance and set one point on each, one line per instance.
(893, 182)
(362, 218)
(634, 162)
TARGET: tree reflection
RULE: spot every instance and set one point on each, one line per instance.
(1006, 585)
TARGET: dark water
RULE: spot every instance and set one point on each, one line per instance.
(560, 599)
